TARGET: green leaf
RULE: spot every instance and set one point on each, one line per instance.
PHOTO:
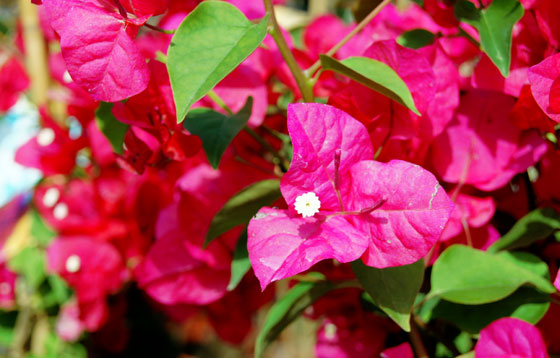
(42, 234)
(288, 308)
(469, 276)
(57, 348)
(393, 289)
(463, 342)
(425, 306)
(243, 206)
(30, 263)
(240, 264)
(537, 225)
(57, 292)
(217, 130)
(210, 43)
(526, 303)
(6, 337)
(287, 150)
(375, 75)
(528, 261)
(7, 324)
(495, 27)
(416, 38)
(110, 126)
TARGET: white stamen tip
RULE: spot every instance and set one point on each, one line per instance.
(73, 263)
(60, 211)
(45, 137)
(307, 204)
(66, 78)
(51, 197)
(330, 331)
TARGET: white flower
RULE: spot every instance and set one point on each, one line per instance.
(51, 197)
(330, 331)
(60, 211)
(66, 78)
(73, 263)
(45, 137)
(307, 204)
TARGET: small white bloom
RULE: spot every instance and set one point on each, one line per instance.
(45, 137)
(60, 211)
(307, 204)
(73, 263)
(330, 331)
(51, 197)
(66, 78)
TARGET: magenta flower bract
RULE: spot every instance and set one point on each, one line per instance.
(389, 214)
(510, 338)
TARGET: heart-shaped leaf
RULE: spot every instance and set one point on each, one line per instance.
(393, 289)
(113, 130)
(240, 264)
(470, 276)
(243, 206)
(288, 308)
(495, 26)
(536, 225)
(375, 75)
(526, 303)
(416, 38)
(217, 130)
(210, 43)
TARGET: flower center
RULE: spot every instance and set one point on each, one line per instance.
(73, 263)
(45, 137)
(307, 204)
(51, 197)
(60, 211)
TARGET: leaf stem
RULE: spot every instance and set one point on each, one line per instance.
(433, 332)
(252, 165)
(24, 321)
(311, 70)
(300, 77)
(463, 33)
(416, 340)
(531, 196)
(386, 139)
(220, 102)
(274, 133)
(282, 162)
(159, 29)
(467, 231)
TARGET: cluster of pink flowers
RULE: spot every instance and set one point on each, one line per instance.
(369, 179)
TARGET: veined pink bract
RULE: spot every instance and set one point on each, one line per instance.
(389, 214)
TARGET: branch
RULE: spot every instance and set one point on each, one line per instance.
(36, 56)
(159, 29)
(342, 42)
(416, 340)
(297, 72)
(279, 159)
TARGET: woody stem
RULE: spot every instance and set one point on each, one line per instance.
(311, 70)
(297, 72)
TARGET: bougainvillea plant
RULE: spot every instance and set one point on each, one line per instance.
(270, 179)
